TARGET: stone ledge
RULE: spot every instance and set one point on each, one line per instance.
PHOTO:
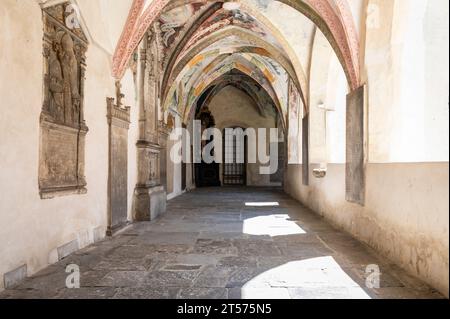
(15, 277)
(50, 193)
(150, 203)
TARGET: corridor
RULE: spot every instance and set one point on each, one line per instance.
(250, 243)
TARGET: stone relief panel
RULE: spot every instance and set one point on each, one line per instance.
(63, 128)
(305, 150)
(355, 162)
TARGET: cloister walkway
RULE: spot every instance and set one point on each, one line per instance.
(228, 243)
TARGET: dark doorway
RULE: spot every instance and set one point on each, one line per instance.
(206, 174)
(183, 171)
(235, 158)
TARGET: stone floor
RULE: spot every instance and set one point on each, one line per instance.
(227, 243)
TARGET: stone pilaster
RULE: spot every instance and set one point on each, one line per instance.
(150, 195)
(118, 126)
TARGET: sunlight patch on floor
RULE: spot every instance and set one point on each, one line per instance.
(314, 278)
(272, 225)
(262, 204)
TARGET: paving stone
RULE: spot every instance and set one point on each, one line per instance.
(198, 249)
(404, 293)
(123, 279)
(197, 259)
(211, 282)
(48, 281)
(265, 293)
(215, 247)
(141, 264)
(203, 293)
(242, 276)
(256, 248)
(92, 278)
(182, 238)
(328, 293)
(29, 294)
(88, 293)
(222, 236)
(146, 293)
(237, 261)
(182, 267)
(171, 278)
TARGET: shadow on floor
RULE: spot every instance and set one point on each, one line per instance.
(234, 243)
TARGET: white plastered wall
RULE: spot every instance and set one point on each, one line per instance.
(405, 65)
(32, 228)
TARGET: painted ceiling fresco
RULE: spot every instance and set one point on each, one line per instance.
(203, 41)
(173, 21)
(223, 18)
(332, 17)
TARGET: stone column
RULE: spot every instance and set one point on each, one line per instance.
(150, 196)
(163, 138)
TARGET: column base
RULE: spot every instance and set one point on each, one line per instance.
(150, 203)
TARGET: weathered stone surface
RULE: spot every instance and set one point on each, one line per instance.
(88, 293)
(67, 249)
(119, 123)
(63, 129)
(168, 258)
(171, 278)
(150, 203)
(241, 276)
(327, 293)
(197, 259)
(256, 248)
(15, 276)
(182, 238)
(203, 293)
(124, 279)
(215, 247)
(131, 264)
(239, 261)
(355, 170)
(177, 267)
(147, 293)
(305, 150)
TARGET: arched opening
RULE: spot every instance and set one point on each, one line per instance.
(235, 157)
(224, 149)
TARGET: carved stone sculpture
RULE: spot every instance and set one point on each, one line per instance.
(63, 129)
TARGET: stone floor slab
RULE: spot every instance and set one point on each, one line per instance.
(212, 244)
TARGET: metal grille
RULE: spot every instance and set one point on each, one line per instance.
(234, 168)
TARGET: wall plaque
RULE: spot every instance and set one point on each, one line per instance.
(63, 129)
(354, 172)
(118, 123)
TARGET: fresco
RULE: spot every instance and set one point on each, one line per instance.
(223, 18)
(172, 22)
(223, 66)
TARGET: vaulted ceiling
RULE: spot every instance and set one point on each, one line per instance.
(203, 41)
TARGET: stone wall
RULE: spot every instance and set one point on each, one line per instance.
(32, 228)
